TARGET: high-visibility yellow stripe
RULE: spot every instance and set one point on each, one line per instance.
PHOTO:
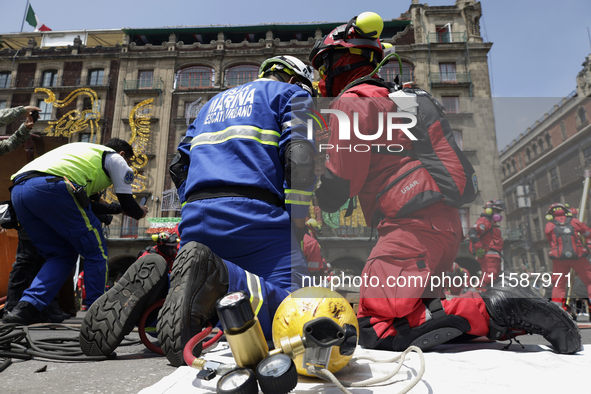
(91, 229)
(266, 137)
(299, 192)
(295, 202)
(256, 294)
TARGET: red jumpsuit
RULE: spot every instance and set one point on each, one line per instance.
(316, 263)
(580, 265)
(492, 243)
(417, 244)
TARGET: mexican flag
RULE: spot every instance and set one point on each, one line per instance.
(34, 21)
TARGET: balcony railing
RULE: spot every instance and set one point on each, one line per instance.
(126, 233)
(140, 84)
(450, 78)
(442, 38)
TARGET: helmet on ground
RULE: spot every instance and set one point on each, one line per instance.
(292, 66)
(306, 304)
(494, 204)
(554, 208)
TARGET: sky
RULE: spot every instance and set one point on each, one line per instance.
(538, 45)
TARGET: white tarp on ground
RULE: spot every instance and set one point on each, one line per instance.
(461, 368)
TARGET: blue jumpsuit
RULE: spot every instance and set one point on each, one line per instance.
(239, 139)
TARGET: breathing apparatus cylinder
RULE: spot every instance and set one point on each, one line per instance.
(304, 306)
(243, 330)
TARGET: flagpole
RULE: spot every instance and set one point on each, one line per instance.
(25, 16)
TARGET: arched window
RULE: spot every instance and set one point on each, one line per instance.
(390, 70)
(240, 75)
(49, 78)
(528, 154)
(194, 77)
(541, 142)
(513, 164)
(548, 141)
(534, 147)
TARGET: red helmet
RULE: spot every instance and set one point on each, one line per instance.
(555, 207)
(346, 37)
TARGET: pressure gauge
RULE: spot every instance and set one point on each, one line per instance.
(277, 374)
(238, 381)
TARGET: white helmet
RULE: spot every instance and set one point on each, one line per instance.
(292, 66)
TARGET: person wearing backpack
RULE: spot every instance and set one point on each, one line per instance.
(486, 241)
(410, 183)
(567, 251)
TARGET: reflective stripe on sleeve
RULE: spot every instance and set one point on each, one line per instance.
(297, 197)
(256, 294)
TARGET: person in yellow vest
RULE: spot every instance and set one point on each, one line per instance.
(50, 197)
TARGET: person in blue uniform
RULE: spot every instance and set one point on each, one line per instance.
(60, 222)
(244, 169)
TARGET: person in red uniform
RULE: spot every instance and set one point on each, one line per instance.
(567, 251)
(419, 235)
(167, 246)
(312, 252)
(486, 241)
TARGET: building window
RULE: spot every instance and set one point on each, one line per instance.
(465, 219)
(504, 172)
(534, 147)
(581, 117)
(451, 104)
(87, 106)
(514, 165)
(443, 33)
(240, 75)
(145, 79)
(447, 72)
(2, 104)
(129, 228)
(46, 110)
(548, 141)
(390, 70)
(96, 76)
(554, 179)
(49, 78)
(528, 154)
(86, 138)
(537, 233)
(459, 139)
(586, 151)
(563, 130)
(4, 79)
(194, 77)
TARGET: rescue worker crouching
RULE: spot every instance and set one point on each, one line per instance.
(50, 199)
(419, 234)
(486, 241)
(567, 251)
(241, 172)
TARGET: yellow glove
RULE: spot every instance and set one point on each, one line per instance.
(480, 252)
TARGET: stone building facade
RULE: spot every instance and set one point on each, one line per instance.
(180, 68)
(545, 165)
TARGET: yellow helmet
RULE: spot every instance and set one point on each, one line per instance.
(313, 224)
(309, 303)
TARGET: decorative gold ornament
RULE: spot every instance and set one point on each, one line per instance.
(139, 121)
(74, 121)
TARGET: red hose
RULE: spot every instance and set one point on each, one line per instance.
(188, 350)
(142, 327)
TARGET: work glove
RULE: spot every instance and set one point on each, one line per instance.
(480, 252)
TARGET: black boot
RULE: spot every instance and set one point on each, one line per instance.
(116, 312)
(198, 279)
(521, 308)
(23, 313)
